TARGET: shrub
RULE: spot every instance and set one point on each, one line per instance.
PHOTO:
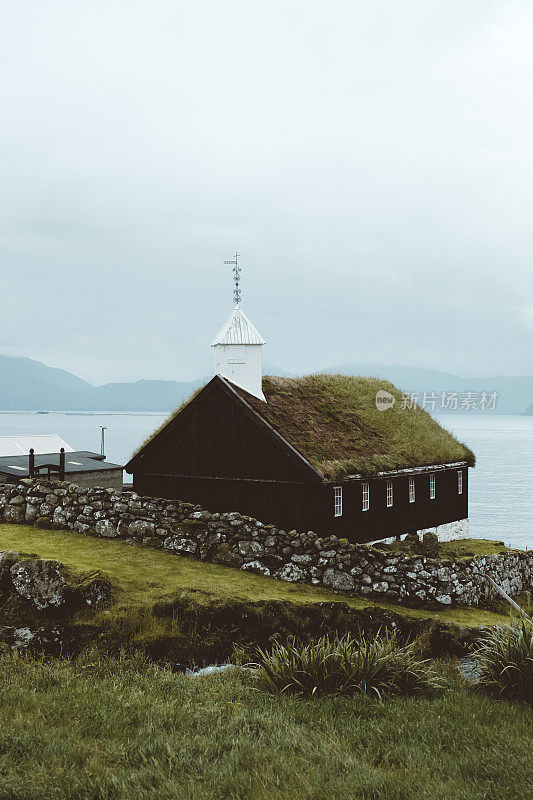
(505, 658)
(347, 666)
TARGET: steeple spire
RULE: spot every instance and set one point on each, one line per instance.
(236, 278)
(238, 345)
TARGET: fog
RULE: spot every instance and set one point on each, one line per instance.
(370, 161)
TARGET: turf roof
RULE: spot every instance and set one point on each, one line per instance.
(332, 420)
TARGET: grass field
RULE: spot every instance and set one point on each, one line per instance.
(97, 728)
(102, 730)
(143, 577)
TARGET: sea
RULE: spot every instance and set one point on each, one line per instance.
(501, 485)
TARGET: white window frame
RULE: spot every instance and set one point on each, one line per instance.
(337, 501)
(432, 486)
(365, 496)
(390, 494)
(412, 490)
(459, 481)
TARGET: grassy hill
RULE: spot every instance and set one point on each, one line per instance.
(145, 578)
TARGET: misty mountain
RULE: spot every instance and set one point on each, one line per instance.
(27, 385)
(140, 395)
(514, 393)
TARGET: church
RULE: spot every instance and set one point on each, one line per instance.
(312, 453)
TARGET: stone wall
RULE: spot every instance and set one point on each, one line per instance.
(245, 543)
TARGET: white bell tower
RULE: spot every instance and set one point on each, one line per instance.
(238, 346)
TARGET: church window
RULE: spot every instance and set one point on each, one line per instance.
(337, 501)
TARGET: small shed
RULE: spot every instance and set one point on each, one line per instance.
(50, 457)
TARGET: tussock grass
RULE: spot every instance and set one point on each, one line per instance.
(505, 657)
(125, 729)
(347, 666)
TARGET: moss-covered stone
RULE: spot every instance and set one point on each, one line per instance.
(33, 587)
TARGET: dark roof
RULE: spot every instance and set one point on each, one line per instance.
(333, 421)
(78, 461)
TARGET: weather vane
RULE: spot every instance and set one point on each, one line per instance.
(236, 278)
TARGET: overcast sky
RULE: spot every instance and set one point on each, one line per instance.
(371, 161)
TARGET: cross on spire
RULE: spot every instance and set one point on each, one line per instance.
(236, 278)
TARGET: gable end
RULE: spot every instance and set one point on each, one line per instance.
(218, 434)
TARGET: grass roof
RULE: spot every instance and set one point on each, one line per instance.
(332, 420)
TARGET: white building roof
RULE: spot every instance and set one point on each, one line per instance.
(20, 445)
(238, 329)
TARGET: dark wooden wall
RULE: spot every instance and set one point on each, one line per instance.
(295, 506)
(381, 522)
(303, 506)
